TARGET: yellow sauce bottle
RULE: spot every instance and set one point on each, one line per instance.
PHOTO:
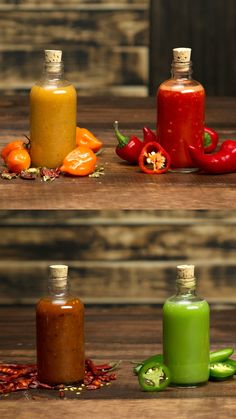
(53, 107)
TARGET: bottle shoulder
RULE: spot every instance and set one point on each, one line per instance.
(181, 84)
(42, 88)
(184, 301)
(55, 304)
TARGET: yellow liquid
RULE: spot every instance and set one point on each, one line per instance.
(52, 124)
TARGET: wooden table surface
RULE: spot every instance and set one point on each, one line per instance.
(122, 186)
(123, 333)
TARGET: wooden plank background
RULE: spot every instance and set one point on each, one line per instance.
(117, 257)
(104, 43)
(208, 27)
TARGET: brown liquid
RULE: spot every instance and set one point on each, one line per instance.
(60, 340)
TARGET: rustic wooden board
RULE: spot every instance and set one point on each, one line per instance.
(117, 283)
(105, 409)
(105, 45)
(127, 333)
(208, 27)
(134, 189)
(117, 256)
(81, 4)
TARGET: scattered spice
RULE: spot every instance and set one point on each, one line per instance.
(7, 175)
(30, 174)
(14, 377)
(99, 171)
(49, 175)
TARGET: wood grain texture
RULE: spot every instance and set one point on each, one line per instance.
(208, 27)
(76, 4)
(117, 257)
(134, 189)
(104, 409)
(125, 333)
(105, 46)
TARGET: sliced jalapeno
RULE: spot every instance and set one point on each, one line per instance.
(156, 358)
(231, 362)
(221, 371)
(221, 355)
(154, 376)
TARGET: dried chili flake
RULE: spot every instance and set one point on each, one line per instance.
(7, 175)
(14, 377)
(99, 171)
(49, 175)
(30, 174)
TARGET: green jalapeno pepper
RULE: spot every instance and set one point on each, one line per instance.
(156, 358)
(154, 376)
(220, 371)
(221, 355)
(231, 362)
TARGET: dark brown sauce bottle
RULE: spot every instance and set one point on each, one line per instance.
(60, 332)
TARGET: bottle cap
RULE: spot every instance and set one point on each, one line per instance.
(58, 275)
(53, 55)
(182, 55)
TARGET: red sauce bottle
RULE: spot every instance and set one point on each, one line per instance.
(181, 112)
(60, 332)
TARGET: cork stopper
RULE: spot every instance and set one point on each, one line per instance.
(185, 275)
(182, 55)
(58, 275)
(52, 55)
(182, 59)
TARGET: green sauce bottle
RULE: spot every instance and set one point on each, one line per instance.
(186, 332)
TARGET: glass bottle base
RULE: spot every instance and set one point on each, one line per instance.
(184, 170)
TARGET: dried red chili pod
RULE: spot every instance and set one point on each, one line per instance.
(154, 159)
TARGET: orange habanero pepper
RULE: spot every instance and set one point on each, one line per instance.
(85, 137)
(13, 145)
(79, 162)
(18, 160)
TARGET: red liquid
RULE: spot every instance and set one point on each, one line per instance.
(180, 120)
(60, 340)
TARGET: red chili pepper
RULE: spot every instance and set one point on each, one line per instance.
(15, 377)
(154, 159)
(148, 135)
(127, 149)
(91, 366)
(211, 139)
(224, 161)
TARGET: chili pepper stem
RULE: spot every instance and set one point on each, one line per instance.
(122, 139)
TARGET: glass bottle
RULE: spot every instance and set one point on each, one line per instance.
(181, 112)
(186, 332)
(53, 107)
(60, 332)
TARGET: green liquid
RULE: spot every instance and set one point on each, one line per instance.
(186, 340)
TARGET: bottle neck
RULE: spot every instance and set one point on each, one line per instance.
(53, 71)
(181, 70)
(186, 288)
(58, 287)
